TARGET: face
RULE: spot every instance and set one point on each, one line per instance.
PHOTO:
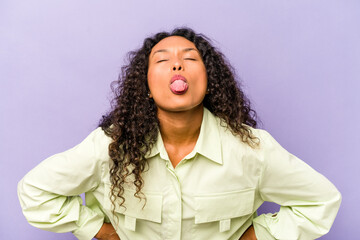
(176, 75)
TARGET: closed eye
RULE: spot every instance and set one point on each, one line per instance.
(163, 60)
(192, 59)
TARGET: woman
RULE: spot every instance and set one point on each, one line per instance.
(178, 157)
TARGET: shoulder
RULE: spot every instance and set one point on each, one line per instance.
(231, 141)
(263, 140)
(99, 136)
(96, 144)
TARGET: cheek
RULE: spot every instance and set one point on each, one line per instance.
(156, 74)
(152, 78)
(151, 74)
(202, 78)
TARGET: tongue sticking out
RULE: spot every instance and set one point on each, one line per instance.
(179, 87)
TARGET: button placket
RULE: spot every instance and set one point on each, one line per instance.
(176, 186)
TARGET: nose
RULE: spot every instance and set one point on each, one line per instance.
(177, 66)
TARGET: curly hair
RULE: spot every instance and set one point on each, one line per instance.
(133, 124)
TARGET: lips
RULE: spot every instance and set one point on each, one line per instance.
(178, 85)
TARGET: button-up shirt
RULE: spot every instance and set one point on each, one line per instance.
(213, 193)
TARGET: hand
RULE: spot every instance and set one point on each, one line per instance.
(107, 232)
(249, 234)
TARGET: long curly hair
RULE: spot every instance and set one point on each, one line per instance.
(133, 124)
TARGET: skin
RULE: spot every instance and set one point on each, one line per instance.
(249, 234)
(180, 116)
(107, 232)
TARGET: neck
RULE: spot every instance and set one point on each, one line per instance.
(180, 128)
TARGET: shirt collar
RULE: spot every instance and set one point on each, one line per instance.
(208, 143)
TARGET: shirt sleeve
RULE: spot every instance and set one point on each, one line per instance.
(309, 202)
(49, 193)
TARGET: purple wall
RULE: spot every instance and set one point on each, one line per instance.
(299, 60)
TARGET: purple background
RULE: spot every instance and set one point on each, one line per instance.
(299, 60)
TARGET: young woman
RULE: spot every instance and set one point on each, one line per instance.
(178, 157)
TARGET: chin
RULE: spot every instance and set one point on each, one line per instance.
(180, 107)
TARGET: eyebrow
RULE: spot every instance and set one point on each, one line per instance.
(183, 50)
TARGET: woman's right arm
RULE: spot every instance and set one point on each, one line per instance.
(49, 193)
(107, 232)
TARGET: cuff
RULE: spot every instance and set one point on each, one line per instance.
(89, 224)
(260, 224)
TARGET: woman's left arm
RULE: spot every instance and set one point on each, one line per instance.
(49, 193)
(309, 202)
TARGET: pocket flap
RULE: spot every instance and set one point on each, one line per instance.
(220, 206)
(136, 208)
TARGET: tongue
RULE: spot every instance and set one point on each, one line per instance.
(178, 86)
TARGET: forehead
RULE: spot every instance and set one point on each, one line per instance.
(173, 42)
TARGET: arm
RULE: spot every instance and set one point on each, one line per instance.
(309, 202)
(249, 234)
(107, 232)
(49, 193)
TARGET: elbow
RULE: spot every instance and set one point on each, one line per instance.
(337, 201)
(20, 192)
(23, 196)
(29, 197)
(333, 206)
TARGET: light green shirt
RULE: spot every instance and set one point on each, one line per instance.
(213, 193)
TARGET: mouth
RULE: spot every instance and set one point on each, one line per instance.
(178, 85)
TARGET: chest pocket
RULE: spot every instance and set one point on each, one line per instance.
(223, 207)
(135, 209)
